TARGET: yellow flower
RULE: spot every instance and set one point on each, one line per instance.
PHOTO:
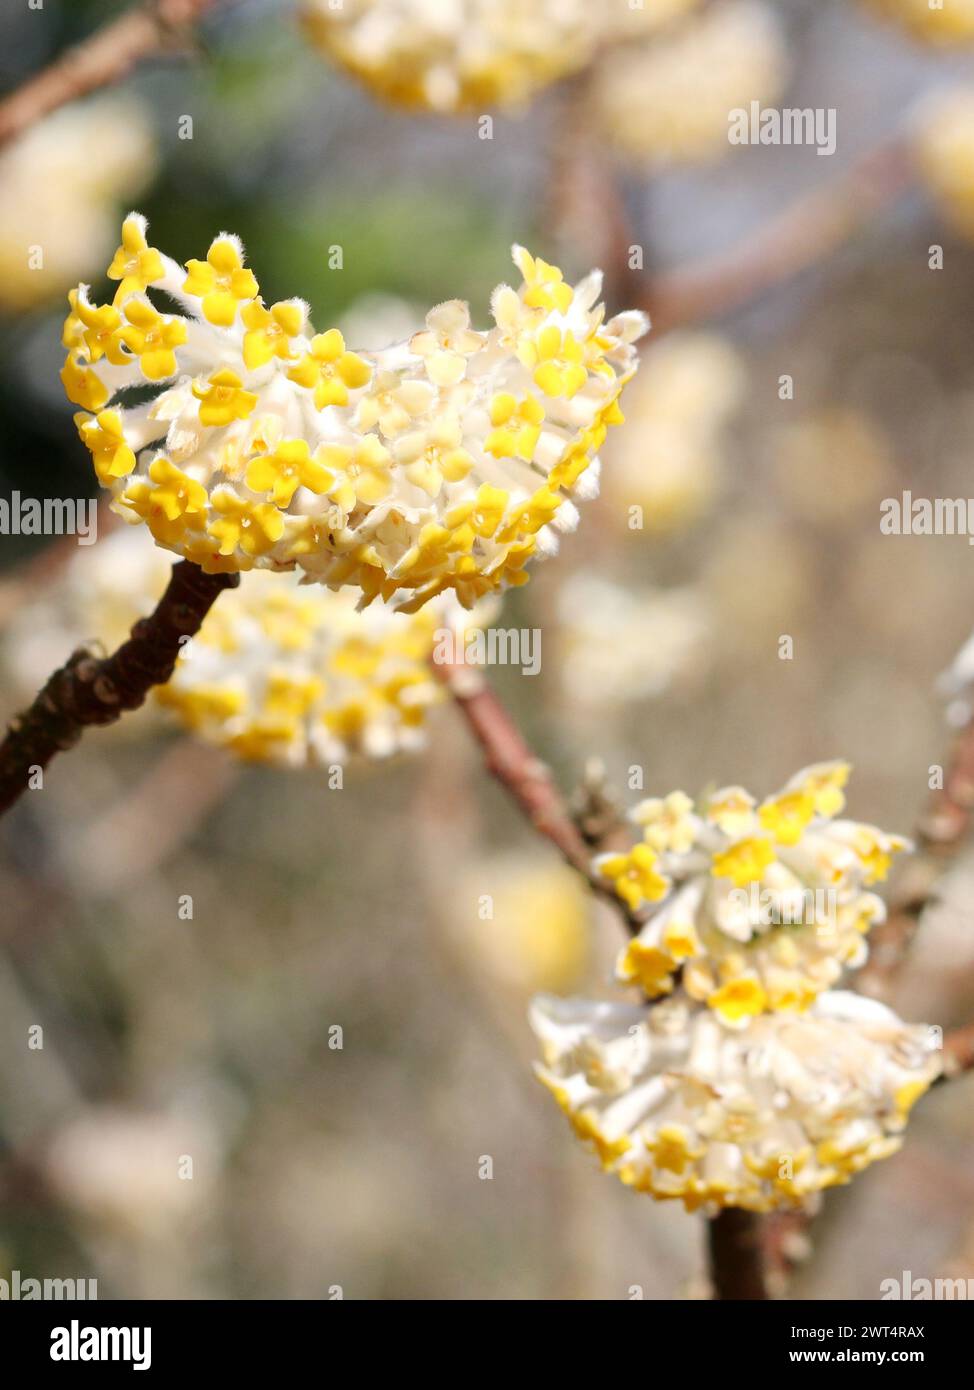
(786, 816)
(152, 338)
(103, 329)
(667, 822)
(364, 469)
(110, 453)
(331, 370)
(269, 331)
(633, 875)
(447, 342)
(546, 288)
(221, 281)
(745, 861)
(556, 357)
(738, 1000)
(517, 426)
(648, 967)
(82, 386)
(136, 264)
(433, 456)
(223, 399)
(254, 526)
(289, 467)
(175, 494)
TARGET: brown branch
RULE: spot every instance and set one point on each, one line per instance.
(528, 781)
(958, 1052)
(737, 1262)
(814, 225)
(940, 834)
(106, 56)
(89, 691)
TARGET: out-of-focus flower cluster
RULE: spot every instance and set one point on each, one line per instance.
(757, 907)
(451, 55)
(669, 459)
(949, 22)
(956, 684)
(618, 644)
(676, 1106)
(58, 206)
(666, 101)
(280, 671)
(444, 462)
(945, 154)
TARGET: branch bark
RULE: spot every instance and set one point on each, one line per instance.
(737, 1263)
(89, 691)
(510, 760)
(106, 56)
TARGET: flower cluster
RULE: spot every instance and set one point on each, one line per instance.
(676, 1106)
(757, 907)
(444, 462)
(58, 215)
(951, 22)
(665, 102)
(280, 671)
(288, 673)
(670, 459)
(945, 154)
(454, 55)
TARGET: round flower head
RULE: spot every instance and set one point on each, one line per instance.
(951, 22)
(444, 462)
(280, 672)
(290, 673)
(665, 102)
(676, 1106)
(453, 55)
(945, 154)
(756, 907)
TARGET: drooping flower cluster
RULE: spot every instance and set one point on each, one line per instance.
(58, 207)
(676, 1106)
(280, 672)
(444, 462)
(756, 907)
(945, 154)
(950, 22)
(669, 460)
(666, 102)
(453, 55)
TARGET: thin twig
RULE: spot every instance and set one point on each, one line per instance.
(737, 1262)
(105, 57)
(512, 763)
(89, 691)
(814, 225)
(941, 833)
(958, 1052)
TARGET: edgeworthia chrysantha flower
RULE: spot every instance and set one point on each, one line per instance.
(280, 672)
(951, 21)
(756, 907)
(444, 462)
(676, 1106)
(453, 55)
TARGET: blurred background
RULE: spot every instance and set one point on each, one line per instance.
(316, 1165)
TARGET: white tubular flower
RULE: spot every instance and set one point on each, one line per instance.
(676, 1106)
(442, 463)
(666, 102)
(951, 22)
(757, 907)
